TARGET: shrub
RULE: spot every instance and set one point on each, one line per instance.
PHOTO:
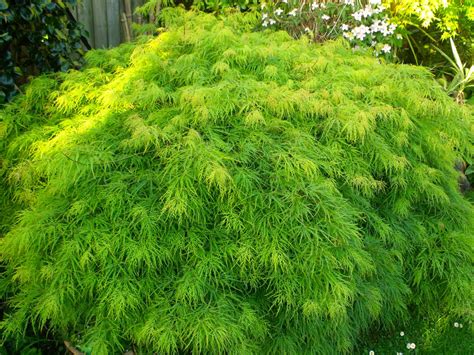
(232, 192)
(36, 37)
(429, 24)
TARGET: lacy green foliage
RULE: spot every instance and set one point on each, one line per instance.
(232, 192)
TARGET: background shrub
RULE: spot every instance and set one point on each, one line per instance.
(36, 37)
(430, 24)
(229, 191)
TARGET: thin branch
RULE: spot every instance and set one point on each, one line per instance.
(72, 349)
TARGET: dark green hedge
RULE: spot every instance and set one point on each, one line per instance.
(36, 36)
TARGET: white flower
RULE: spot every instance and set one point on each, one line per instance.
(272, 21)
(325, 17)
(322, 6)
(375, 2)
(409, 346)
(344, 27)
(264, 17)
(360, 32)
(367, 11)
(399, 353)
(307, 30)
(402, 334)
(265, 24)
(284, 1)
(386, 48)
(357, 16)
(262, 6)
(456, 325)
(371, 352)
(460, 325)
(412, 346)
(348, 35)
(293, 12)
(314, 5)
(399, 36)
(349, 2)
(376, 26)
(278, 12)
(379, 9)
(373, 43)
(386, 29)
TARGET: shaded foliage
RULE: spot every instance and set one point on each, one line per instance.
(36, 37)
(215, 190)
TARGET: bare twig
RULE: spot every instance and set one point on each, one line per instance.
(72, 349)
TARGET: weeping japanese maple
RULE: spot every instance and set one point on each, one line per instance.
(215, 190)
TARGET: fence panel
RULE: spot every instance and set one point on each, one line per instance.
(102, 19)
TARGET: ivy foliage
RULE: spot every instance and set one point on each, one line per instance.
(215, 190)
(36, 37)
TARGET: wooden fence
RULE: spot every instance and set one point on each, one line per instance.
(103, 19)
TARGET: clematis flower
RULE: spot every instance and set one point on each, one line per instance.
(386, 48)
(278, 12)
(367, 12)
(360, 32)
(357, 16)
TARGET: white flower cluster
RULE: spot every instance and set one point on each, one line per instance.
(411, 346)
(457, 325)
(282, 11)
(371, 27)
(383, 26)
(368, 11)
(366, 25)
(267, 21)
